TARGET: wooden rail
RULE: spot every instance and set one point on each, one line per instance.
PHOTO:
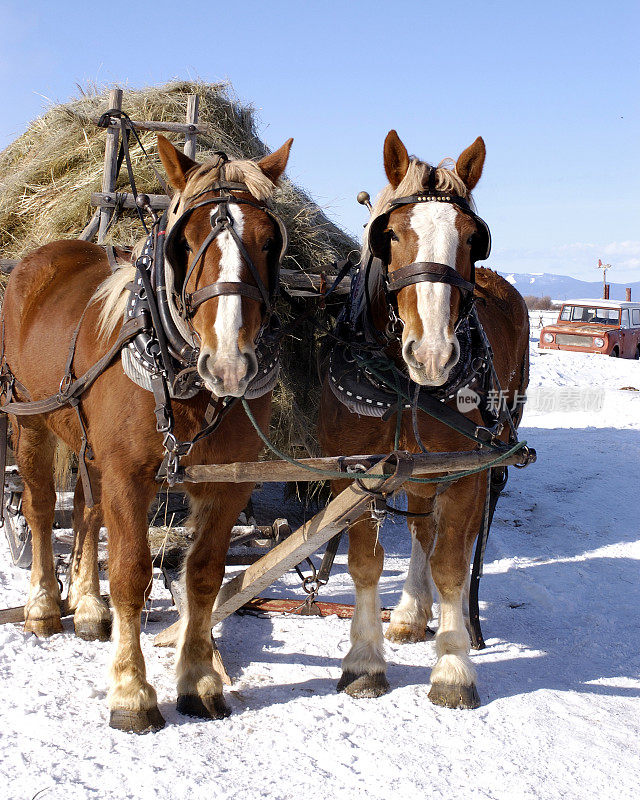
(187, 128)
(127, 200)
(110, 172)
(276, 471)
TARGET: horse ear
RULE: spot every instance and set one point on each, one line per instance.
(469, 165)
(275, 163)
(396, 159)
(175, 162)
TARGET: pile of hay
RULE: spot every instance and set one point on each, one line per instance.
(48, 174)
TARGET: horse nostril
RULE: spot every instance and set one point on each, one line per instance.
(409, 352)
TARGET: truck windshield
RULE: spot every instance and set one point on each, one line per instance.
(602, 316)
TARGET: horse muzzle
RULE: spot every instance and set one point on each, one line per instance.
(430, 366)
(227, 376)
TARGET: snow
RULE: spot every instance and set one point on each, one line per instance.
(559, 680)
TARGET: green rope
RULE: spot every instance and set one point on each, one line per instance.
(334, 474)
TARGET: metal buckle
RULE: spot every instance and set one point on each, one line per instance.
(65, 386)
(529, 456)
(174, 447)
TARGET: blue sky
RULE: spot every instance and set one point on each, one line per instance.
(552, 87)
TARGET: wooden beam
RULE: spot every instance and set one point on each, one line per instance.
(107, 200)
(344, 509)
(302, 283)
(276, 471)
(192, 118)
(166, 127)
(110, 163)
(92, 227)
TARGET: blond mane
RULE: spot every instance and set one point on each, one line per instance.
(113, 293)
(415, 180)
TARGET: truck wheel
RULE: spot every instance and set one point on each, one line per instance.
(636, 355)
(615, 353)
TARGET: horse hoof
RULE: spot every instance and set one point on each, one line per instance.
(93, 631)
(137, 721)
(43, 628)
(363, 685)
(454, 695)
(210, 707)
(405, 634)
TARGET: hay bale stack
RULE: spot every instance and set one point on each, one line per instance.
(48, 174)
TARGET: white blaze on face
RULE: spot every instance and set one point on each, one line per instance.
(227, 370)
(229, 313)
(430, 354)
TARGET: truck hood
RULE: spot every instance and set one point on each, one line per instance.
(590, 329)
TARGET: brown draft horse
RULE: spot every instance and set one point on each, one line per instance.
(442, 541)
(45, 297)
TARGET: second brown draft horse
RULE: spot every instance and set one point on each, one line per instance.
(427, 236)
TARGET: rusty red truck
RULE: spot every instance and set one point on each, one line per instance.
(609, 327)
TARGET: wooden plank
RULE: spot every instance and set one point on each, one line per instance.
(304, 283)
(268, 605)
(110, 163)
(192, 118)
(344, 509)
(92, 227)
(276, 471)
(167, 127)
(107, 200)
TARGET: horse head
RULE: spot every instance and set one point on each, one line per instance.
(428, 237)
(224, 246)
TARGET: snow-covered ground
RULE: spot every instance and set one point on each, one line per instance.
(559, 680)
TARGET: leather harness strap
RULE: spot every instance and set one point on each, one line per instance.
(218, 289)
(430, 271)
(79, 385)
(68, 394)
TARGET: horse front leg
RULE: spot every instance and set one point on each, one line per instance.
(132, 700)
(410, 617)
(92, 619)
(214, 510)
(364, 667)
(459, 512)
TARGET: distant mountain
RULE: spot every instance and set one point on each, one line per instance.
(562, 287)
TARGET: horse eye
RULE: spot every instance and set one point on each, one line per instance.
(186, 246)
(267, 245)
(392, 236)
(470, 239)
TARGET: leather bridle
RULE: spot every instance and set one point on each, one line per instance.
(221, 220)
(428, 271)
